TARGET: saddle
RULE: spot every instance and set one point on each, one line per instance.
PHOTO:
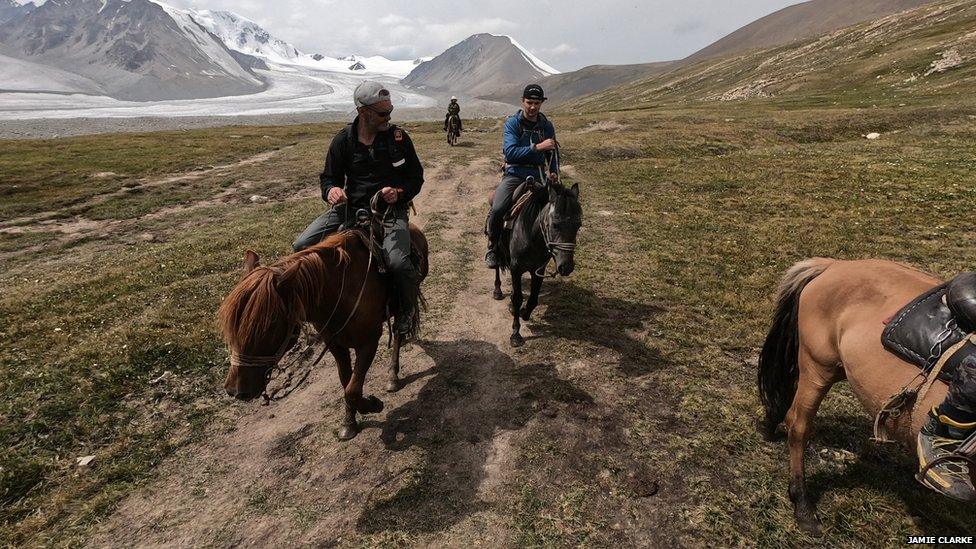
(368, 226)
(934, 332)
(935, 323)
(521, 197)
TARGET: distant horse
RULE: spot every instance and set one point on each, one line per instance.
(453, 129)
(827, 327)
(333, 285)
(545, 229)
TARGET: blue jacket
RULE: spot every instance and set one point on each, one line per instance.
(520, 159)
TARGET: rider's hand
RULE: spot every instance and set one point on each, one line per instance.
(390, 195)
(547, 145)
(553, 176)
(336, 196)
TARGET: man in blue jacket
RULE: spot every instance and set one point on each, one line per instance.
(529, 146)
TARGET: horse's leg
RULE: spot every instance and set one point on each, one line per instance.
(811, 388)
(354, 391)
(516, 339)
(498, 285)
(349, 427)
(533, 296)
(394, 383)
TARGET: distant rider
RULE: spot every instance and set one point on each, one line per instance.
(529, 146)
(453, 109)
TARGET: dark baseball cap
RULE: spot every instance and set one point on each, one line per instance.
(534, 92)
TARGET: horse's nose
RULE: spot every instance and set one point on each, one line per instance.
(565, 268)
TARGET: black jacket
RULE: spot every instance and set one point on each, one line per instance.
(390, 162)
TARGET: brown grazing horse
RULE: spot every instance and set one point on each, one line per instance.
(827, 327)
(334, 286)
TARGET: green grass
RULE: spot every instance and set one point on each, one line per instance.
(692, 213)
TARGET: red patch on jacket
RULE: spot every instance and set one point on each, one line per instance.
(398, 135)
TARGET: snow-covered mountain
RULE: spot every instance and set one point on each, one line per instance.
(479, 65)
(243, 35)
(136, 49)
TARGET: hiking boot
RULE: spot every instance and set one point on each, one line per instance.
(941, 436)
(490, 260)
(404, 322)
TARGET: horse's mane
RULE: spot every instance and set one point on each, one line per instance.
(280, 291)
(564, 203)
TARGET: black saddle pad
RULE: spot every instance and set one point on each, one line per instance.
(925, 329)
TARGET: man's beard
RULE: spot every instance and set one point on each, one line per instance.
(382, 127)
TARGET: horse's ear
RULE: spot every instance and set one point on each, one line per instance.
(285, 280)
(575, 190)
(251, 261)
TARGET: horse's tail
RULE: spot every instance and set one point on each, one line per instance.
(778, 368)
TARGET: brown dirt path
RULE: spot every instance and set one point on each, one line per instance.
(276, 474)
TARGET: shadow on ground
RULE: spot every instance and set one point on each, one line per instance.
(883, 469)
(475, 394)
(576, 313)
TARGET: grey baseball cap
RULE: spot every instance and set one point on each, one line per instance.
(370, 93)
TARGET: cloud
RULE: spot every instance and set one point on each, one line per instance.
(561, 50)
(688, 26)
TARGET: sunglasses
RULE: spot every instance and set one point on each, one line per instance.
(381, 114)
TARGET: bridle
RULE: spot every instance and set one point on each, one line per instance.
(552, 246)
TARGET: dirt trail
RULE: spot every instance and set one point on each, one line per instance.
(277, 475)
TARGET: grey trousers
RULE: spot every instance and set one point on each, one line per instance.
(501, 204)
(396, 239)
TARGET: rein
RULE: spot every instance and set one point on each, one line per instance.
(552, 246)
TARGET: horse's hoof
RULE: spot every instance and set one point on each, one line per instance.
(517, 340)
(371, 405)
(810, 526)
(393, 385)
(347, 432)
(498, 296)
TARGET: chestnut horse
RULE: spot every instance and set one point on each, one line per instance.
(827, 327)
(336, 287)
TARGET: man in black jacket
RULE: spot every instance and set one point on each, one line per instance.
(371, 155)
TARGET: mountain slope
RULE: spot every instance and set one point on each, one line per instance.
(10, 10)
(796, 22)
(477, 65)
(241, 34)
(930, 50)
(136, 50)
(591, 79)
(801, 21)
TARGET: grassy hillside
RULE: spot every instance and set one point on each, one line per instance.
(800, 21)
(902, 58)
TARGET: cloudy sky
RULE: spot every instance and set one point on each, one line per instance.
(568, 34)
